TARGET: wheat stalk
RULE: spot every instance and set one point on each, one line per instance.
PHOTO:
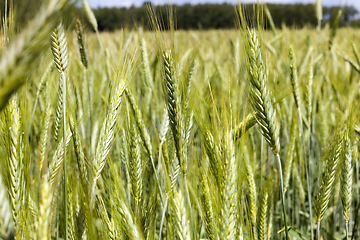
(260, 95)
(42, 84)
(352, 63)
(90, 15)
(85, 61)
(208, 214)
(357, 129)
(145, 137)
(271, 21)
(5, 209)
(58, 160)
(106, 136)
(289, 161)
(135, 170)
(299, 184)
(213, 153)
(295, 86)
(60, 53)
(58, 113)
(46, 195)
(231, 193)
(81, 41)
(346, 180)
(309, 106)
(104, 215)
(263, 106)
(131, 229)
(356, 53)
(44, 137)
(14, 163)
(59, 48)
(319, 12)
(79, 155)
(304, 64)
(248, 122)
(146, 64)
(334, 28)
(171, 101)
(181, 220)
(150, 224)
(250, 180)
(322, 198)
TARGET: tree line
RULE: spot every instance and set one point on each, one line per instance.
(200, 16)
(220, 16)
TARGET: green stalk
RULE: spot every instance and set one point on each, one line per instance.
(282, 194)
(309, 97)
(90, 112)
(186, 191)
(163, 217)
(262, 162)
(62, 74)
(308, 181)
(318, 230)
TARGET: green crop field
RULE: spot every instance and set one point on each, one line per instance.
(220, 134)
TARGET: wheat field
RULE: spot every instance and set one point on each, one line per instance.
(220, 134)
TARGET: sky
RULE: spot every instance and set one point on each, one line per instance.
(128, 3)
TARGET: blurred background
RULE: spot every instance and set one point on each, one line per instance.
(200, 14)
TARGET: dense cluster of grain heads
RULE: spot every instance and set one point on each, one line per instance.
(179, 134)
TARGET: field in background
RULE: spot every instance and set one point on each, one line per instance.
(179, 135)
